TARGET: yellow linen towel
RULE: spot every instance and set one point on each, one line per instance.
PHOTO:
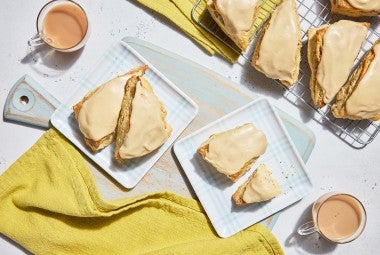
(49, 204)
(179, 12)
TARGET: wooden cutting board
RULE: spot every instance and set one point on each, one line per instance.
(214, 94)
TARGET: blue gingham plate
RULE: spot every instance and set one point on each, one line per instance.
(181, 110)
(214, 190)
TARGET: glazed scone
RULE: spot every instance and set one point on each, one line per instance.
(232, 152)
(259, 187)
(141, 127)
(278, 50)
(356, 8)
(235, 18)
(332, 50)
(359, 98)
(97, 113)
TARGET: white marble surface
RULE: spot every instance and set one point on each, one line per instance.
(333, 165)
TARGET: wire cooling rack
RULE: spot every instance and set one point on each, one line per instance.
(312, 13)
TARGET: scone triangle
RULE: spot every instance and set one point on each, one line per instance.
(278, 51)
(236, 19)
(359, 98)
(141, 126)
(232, 152)
(260, 186)
(356, 8)
(97, 113)
(332, 50)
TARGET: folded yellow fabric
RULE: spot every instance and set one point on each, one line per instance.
(49, 204)
(179, 12)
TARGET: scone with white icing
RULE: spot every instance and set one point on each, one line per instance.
(260, 186)
(232, 152)
(142, 126)
(332, 50)
(356, 8)
(97, 113)
(359, 98)
(278, 51)
(236, 19)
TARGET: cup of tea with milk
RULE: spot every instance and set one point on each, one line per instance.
(337, 217)
(63, 25)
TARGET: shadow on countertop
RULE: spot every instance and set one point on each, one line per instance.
(49, 62)
(312, 243)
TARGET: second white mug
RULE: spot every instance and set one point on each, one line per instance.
(338, 217)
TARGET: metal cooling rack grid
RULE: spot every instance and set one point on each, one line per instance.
(312, 13)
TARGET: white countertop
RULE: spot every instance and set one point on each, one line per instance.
(333, 165)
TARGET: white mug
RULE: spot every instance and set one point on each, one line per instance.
(63, 25)
(337, 217)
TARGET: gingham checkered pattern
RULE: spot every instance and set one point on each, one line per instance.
(214, 189)
(119, 59)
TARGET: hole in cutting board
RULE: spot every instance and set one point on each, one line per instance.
(24, 100)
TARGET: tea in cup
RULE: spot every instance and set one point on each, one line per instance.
(338, 217)
(63, 25)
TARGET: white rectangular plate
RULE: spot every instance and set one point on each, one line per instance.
(181, 110)
(214, 189)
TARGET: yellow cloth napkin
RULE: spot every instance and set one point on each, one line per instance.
(179, 12)
(49, 204)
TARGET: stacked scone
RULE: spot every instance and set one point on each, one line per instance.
(278, 51)
(359, 98)
(97, 113)
(332, 50)
(127, 108)
(141, 126)
(232, 153)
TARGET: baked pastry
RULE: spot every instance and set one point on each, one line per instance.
(141, 126)
(97, 113)
(236, 19)
(332, 50)
(356, 8)
(278, 50)
(260, 186)
(232, 152)
(359, 98)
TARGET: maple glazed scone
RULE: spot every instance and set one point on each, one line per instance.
(356, 8)
(359, 98)
(141, 127)
(232, 152)
(259, 187)
(332, 50)
(235, 18)
(97, 113)
(278, 51)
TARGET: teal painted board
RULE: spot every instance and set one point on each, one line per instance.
(216, 96)
(28, 102)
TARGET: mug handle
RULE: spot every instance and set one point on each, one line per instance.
(36, 41)
(307, 228)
